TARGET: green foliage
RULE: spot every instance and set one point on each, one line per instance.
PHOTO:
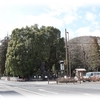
(3, 51)
(30, 46)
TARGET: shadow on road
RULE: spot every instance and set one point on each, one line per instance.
(9, 93)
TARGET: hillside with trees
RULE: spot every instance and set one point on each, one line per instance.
(37, 51)
(85, 53)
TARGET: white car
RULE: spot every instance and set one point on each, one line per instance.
(91, 76)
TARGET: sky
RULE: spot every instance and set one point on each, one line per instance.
(78, 17)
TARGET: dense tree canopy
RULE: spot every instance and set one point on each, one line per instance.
(30, 46)
(33, 50)
(3, 51)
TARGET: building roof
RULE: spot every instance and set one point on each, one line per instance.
(80, 69)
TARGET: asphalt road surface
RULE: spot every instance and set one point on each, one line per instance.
(31, 90)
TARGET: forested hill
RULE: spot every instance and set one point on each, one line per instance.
(85, 39)
(84, 52)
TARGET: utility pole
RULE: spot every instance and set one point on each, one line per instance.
(84, 56)
(67, 51)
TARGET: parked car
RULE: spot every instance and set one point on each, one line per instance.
(91, 76)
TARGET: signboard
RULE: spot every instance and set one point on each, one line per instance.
(61, 66)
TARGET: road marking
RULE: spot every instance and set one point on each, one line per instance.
(92, 95)
(87, 94)
(31, 91)
(48, 91)
(41, 90)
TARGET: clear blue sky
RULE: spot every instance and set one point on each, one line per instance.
(79, 17)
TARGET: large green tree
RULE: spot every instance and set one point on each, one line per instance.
(29, 47)
(20, 52)
(3, 51)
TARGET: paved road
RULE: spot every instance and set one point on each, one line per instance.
(41, 89)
